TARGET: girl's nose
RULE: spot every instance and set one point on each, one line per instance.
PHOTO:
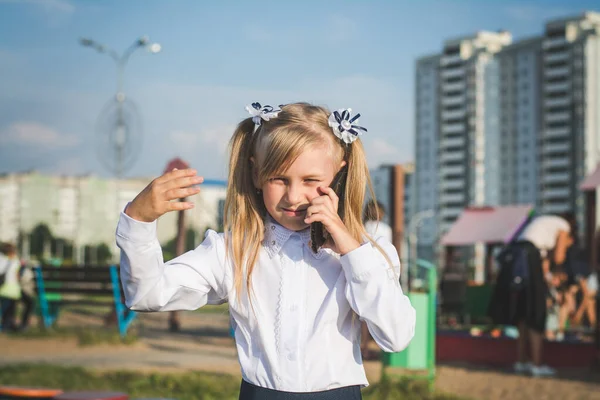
(294, 194)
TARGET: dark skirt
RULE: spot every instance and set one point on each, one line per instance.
(511, 307)
(249, 391)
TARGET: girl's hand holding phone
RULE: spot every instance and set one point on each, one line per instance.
(157, 198)
(324, 209)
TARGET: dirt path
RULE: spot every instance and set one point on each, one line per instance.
(204, 344)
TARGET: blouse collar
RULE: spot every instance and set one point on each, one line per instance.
(277, 235)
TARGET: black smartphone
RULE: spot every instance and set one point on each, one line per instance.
(318, 234)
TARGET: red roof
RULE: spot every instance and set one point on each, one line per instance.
(486, 225)
(592, 181)
(176, 163)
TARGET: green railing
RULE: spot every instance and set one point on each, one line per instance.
(418, 359)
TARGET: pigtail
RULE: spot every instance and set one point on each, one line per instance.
(244, 207)
(359, 179)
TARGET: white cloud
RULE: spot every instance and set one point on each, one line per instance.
(10, 60)
(341, 29)
(382, 148)
(30, 133)
(195, 122)
(208, 145)
(53, 13)
(62, 6)
(257, 34)
(69, 166)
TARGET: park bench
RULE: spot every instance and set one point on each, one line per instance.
(95, 286)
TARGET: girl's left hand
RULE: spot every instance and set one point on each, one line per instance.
(324, 209)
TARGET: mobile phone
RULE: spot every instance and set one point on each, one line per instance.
(318, 234)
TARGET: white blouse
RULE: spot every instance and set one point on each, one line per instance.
(301, 332)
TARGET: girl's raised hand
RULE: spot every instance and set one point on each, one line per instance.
(157, 198)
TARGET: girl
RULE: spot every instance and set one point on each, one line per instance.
(295, 312)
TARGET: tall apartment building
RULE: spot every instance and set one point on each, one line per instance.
(394, 187)
(467, 109)
(520, 122)
(508, 123)
(570, 135)
(426, 150)
(457, 120)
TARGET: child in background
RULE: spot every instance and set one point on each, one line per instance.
(373, 216)
(295, 312)
(10, 290)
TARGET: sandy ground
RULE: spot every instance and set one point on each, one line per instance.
(204, 344)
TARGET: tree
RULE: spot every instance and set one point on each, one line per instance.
(40, 237)
(169, 248)
(103, 253)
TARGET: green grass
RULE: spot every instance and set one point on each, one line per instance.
(84, 336)
(210, 309)
(182, 386)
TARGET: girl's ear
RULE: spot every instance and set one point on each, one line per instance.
(343, 164)
(254, 173)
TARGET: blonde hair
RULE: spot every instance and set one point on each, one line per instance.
(297, 127)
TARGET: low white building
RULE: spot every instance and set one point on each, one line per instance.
(84, 210)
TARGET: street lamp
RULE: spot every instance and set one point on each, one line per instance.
(415, 223)
(120, 136)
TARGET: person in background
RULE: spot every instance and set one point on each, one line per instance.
(27, 281)
(521, 292)
(553, 302)
(373, 215)
(10, 290)
(596, 276)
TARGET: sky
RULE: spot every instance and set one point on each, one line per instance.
(216, 58)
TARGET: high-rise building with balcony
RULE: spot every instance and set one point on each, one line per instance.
(570, 117)
(457, 123)
(519, 123)
(503, 123)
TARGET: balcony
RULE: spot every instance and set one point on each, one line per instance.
(562, 162)
(557, 57)
(452, 156)
(452, 142)
(454, 170)
(452, 128)
(552, 148)
(450, 115)
(554, 43)
(557, 116)
(560, 102)
(559, 177)
(451, 59)
(559, 193)
(453, 100)
(452, 184)
(556, 132)
(556, 72)
(556, 208)
(557, 87)
(450, 212)
(454, 87)
(452, 73)
(452, 198)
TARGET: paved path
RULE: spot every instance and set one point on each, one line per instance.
(204, 344)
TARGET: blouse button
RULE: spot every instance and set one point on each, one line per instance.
(291, 357)
(272, 227)
(273, 243)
